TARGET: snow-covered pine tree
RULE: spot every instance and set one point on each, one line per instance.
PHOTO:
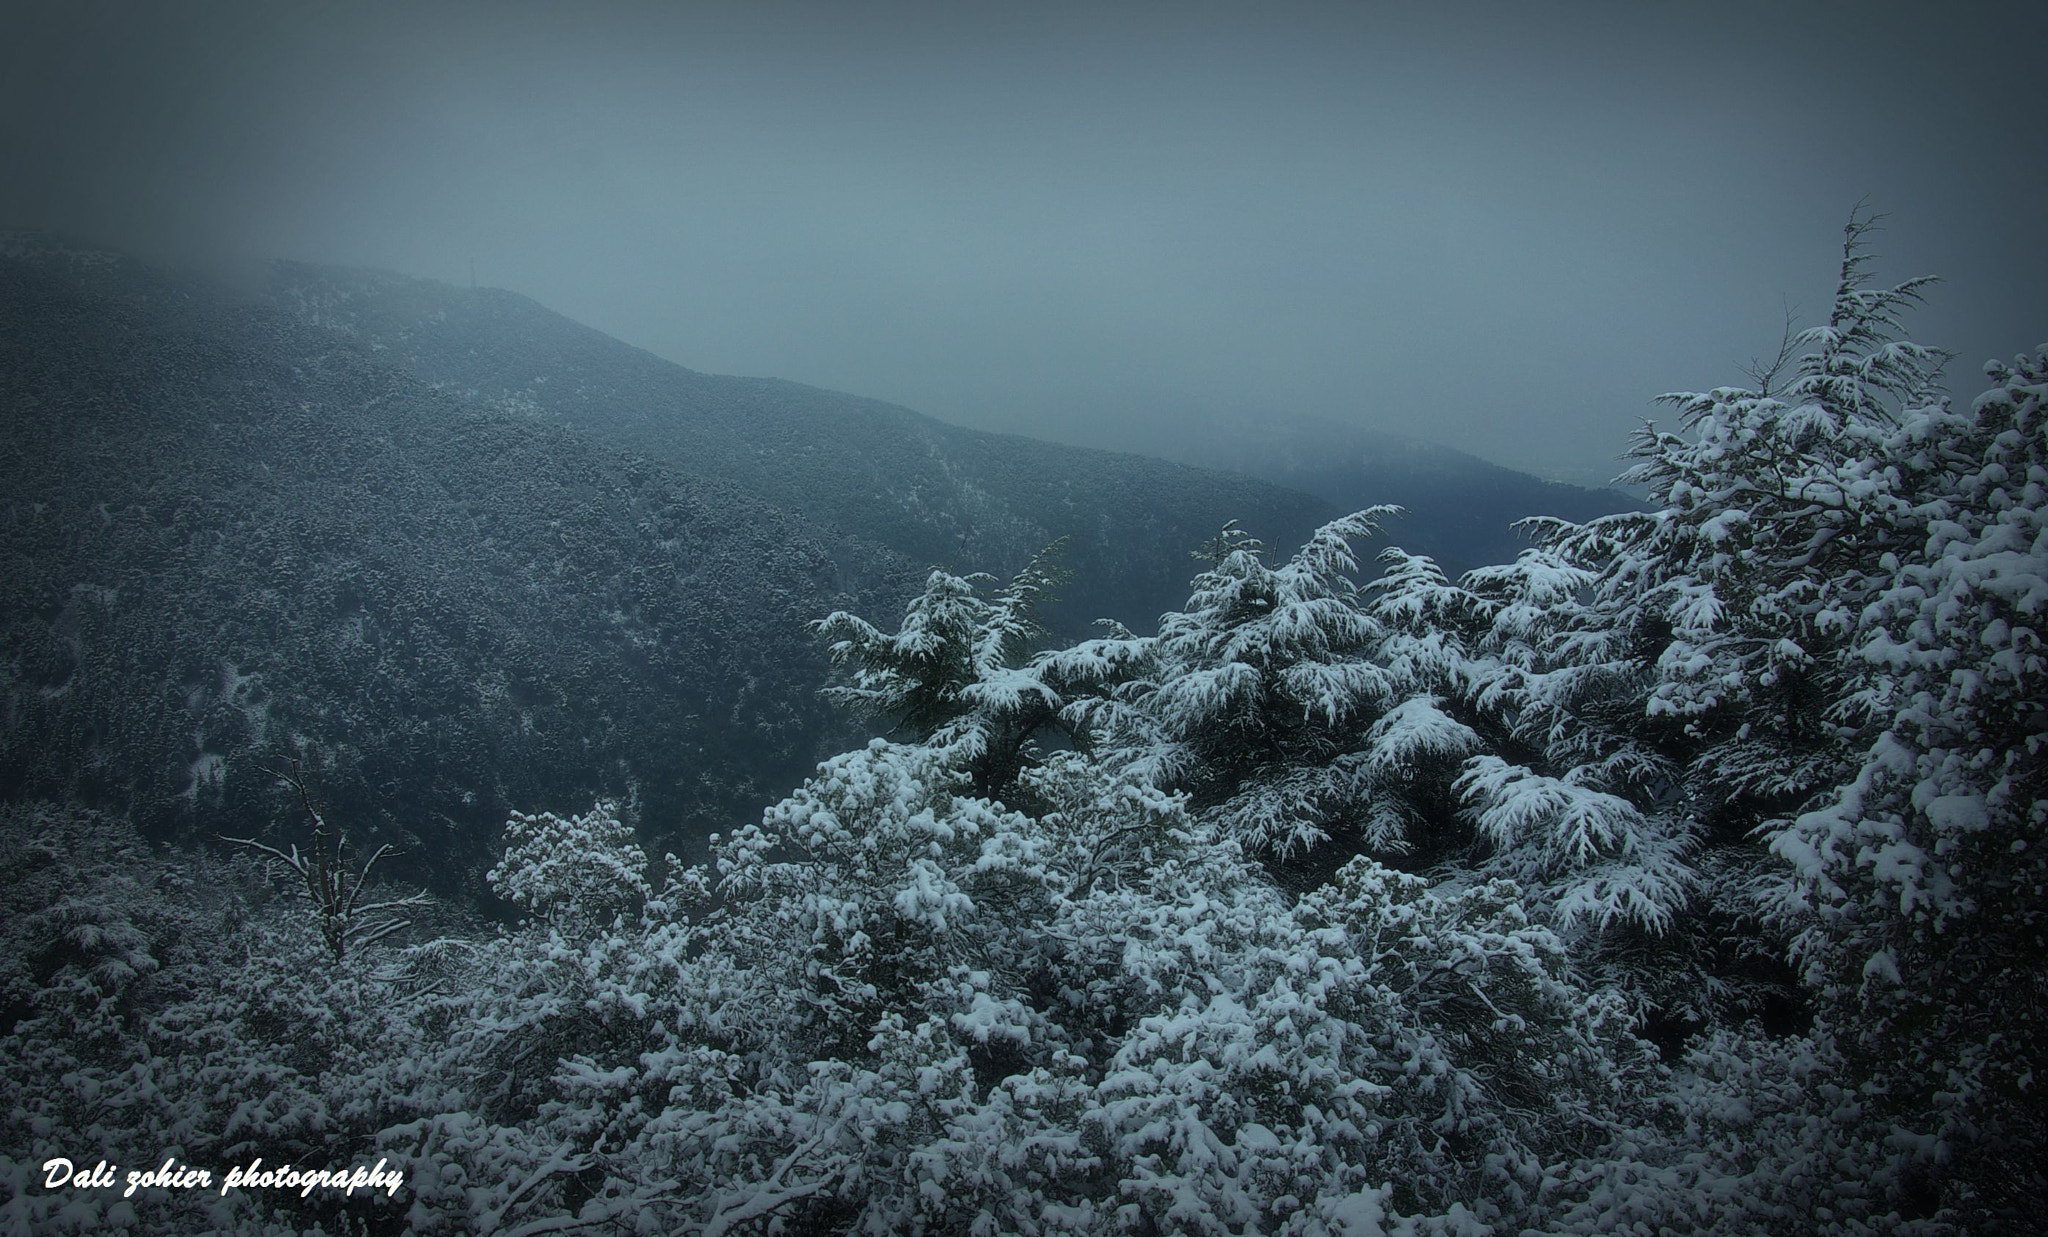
(1926, 873)
(1776, 519)
(1273, 710)
(1673, 677)
(1265, 699)
(958, 673)
(1916, 880)
(1552, 782)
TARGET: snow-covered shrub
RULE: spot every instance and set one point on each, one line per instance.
(583, 869)
(907, 1008)
(159, 1008)
(1106, 1018)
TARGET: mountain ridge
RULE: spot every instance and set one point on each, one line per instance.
(461, 554)
(935, 492)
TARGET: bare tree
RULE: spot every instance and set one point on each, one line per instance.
(333, 882)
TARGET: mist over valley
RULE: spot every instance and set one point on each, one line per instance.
(1055, 620)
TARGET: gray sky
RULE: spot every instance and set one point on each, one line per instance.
(1504, 227)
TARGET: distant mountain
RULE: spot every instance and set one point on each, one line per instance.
(461, 554)
(933, 493)
(224, 539)
(1460, 508)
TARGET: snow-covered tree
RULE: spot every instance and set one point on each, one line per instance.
(1666, 686)
(1277, 709)
(958, 671)
(581, 869)
(1262, 680)
(1778, 512)
(1926, 871)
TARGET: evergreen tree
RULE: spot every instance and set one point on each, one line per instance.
(958, 674)
(1673, 680)
(1925, 872)
(1273, 709)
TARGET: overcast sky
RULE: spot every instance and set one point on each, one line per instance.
(1504, 227)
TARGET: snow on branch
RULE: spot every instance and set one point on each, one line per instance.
(333, 882)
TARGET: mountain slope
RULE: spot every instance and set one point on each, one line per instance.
(932, 492)
(460, 554)
(1460, 508)
(226, 540)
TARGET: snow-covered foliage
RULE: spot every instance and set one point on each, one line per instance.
(1666, 690)
(160, 1010)
(1260, 682)
(956, 674)
(913, 1010)
(1684, 875)
(1925, 873)
(1292, 712)
(583, 869)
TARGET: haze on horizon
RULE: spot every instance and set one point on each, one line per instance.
(1503, 228)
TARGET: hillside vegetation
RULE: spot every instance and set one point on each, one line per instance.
(931, 492)
(459, 553)
(1687, 874)
(227, 537)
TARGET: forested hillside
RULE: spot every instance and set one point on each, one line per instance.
(242, 527)
(931, 492)
(1685, 874)
(228, 540)
(1455, 508)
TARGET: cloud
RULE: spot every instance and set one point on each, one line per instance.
(1503, 227)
